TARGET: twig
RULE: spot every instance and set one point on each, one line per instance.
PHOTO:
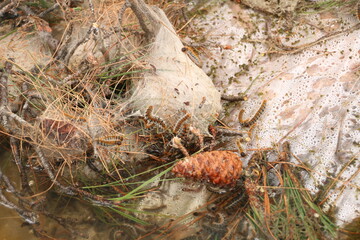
(6, 8)
(120, 17)
(4, 3)
(14, 143)
(28, 216)
(93, 29)
(143, 14)
(50, 9)
(7, 113)
(292, 50)
(91, 6)
(70, 190)
(176, 142)
(67, 224)
(63, 50)
(4, 87)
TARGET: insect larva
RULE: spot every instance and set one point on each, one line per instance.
(219, 219)
(216, 226)
(151, 118)
(227, 47)
(109, 141)
(215, 189)
(192, 55)
(202, 102)
(185, 131)
(146, 122)
(249, 122)
(180, 122)
(82, 119)
(241, 150)
(238, 200)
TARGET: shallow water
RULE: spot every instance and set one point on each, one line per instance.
(10, 223)
(10, 226)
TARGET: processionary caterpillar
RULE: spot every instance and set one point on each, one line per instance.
(192, 55)
(109, 141)
(250, 122)
(151, 118)
(180, 122)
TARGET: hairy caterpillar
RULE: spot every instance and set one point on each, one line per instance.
(250, 122)
(109, 141)
(192, 55)
(180, 122)
(154, 119)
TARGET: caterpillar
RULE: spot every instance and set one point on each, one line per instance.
(216, 225)
(238, 200)
(180, 123)
(241, 150)
(146, 122)
(192, 55)
(185, 131)
(151, 118)
(250, 122)
(109, 141)
(220, 219)
(215, 189)
(202, 102)
(82, 119)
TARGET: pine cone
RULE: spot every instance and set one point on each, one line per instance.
(221, 168)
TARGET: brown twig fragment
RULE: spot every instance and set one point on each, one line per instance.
(200, 137)
(7, 6)
(50, 9)
(176, 142)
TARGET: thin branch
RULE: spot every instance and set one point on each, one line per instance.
(144, 15)
(4, 75)
(297, 49)
(7, 113)
(28, 216)
(14, 143)
(5, 8)
(86, 38)
(70, 190)
(50, 9)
